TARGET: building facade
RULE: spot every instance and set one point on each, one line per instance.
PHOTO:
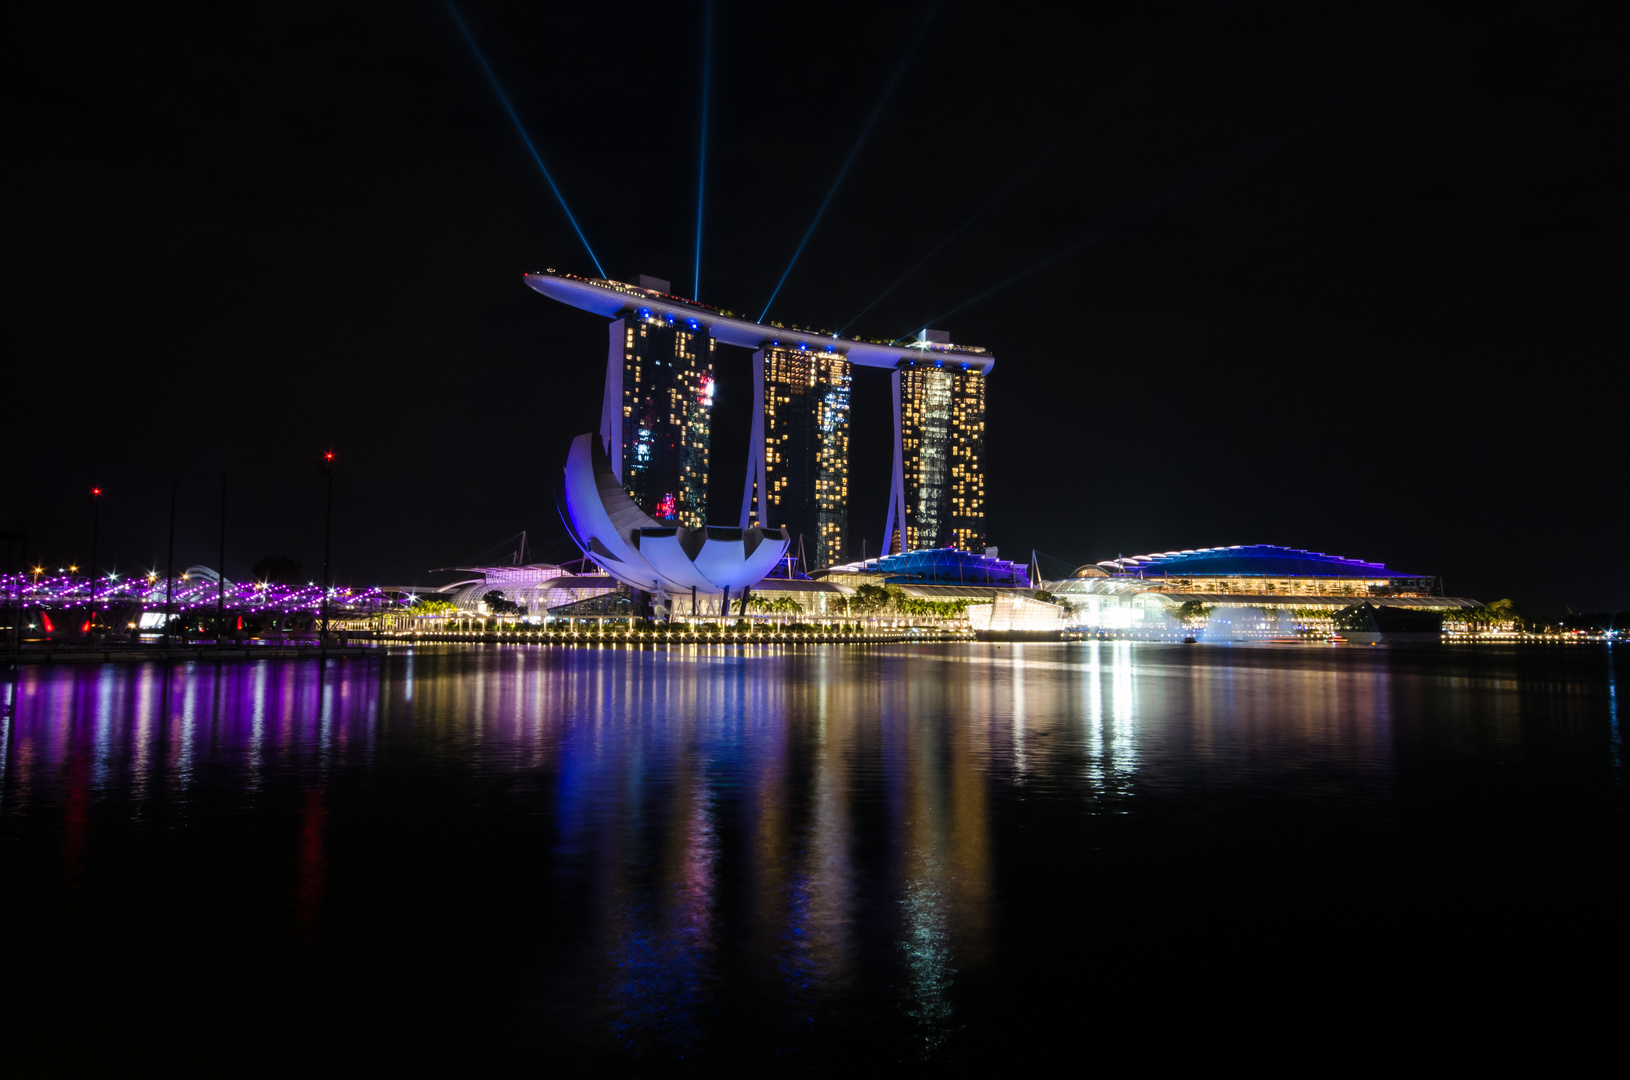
(798, 469)
(937, 497)
(659, 377)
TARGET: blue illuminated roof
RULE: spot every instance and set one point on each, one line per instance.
(941, 566)
(1248, 560)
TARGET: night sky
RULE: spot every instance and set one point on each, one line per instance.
(1347, 278)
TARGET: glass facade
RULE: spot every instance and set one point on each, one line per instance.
(667, 416)
(806, 448)
(942, 449)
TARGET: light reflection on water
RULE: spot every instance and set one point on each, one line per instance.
(798, 836)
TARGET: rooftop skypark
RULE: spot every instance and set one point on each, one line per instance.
(613, 298)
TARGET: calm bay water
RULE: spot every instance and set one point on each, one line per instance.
(925, 855)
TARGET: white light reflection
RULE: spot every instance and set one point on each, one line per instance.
(102, 725)
(1093, 688)
(1017, 719)
(182, 744)
(828, 892)
(152, 701)
(257, 727)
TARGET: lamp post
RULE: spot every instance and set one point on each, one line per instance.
(95, 497)
(326, 467)
(169, 569)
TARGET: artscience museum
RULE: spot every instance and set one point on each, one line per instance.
(667, 561)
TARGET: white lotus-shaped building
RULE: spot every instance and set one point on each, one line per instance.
(664, 560)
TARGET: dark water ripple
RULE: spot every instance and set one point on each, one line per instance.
(924, 856)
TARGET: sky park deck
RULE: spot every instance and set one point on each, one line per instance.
(614, 298)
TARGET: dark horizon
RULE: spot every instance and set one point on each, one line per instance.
(1332, 281)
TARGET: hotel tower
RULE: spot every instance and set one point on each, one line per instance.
(937, 497)
(798, 456)
(656, 420)
(658, 406)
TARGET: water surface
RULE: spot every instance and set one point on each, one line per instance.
(928, 856)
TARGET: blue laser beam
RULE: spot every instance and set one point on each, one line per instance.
(877, 110)
(499, 90)
(701, 157)
(1311, 118)
(1097, 114)
(1109, 228)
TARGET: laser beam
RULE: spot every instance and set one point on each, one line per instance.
(1097, 114)
(1311, 118)
(701, 157)
(499, 90)
(1104, 231)
(877, 110)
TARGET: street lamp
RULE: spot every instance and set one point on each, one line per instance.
(95, 497)
(326, 467)
(169, 570)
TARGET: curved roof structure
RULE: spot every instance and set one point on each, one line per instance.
(1244, 560)
(940, 566)
(634, 548)
(536, 587)
(615, 298)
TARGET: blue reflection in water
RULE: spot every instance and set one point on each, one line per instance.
(661, 932)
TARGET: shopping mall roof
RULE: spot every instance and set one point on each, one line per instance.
(1242, 560)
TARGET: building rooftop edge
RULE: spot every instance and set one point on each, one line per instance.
(615, 298)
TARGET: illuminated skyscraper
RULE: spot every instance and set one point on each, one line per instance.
(657, 411)
(659, 377)
(798, 459)
(937, 498)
